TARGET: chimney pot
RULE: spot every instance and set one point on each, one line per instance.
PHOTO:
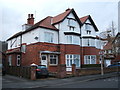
(31, 15)
(28, 15)
(30, 19)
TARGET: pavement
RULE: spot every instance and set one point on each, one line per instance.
(16, 82)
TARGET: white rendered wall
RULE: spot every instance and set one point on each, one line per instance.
(29, 37)
(63, 27)
(84, 32)
(42, 35)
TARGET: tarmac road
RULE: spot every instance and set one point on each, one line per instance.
(72, 82)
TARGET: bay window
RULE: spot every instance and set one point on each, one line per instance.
(73, 40)
(72, 59)
(90, 59)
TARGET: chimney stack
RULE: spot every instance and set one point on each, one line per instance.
(30, 20)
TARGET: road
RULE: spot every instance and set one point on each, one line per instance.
(101, 83)
(89, 81)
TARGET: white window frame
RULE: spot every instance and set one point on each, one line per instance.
(10, 60)
(50, 38)
(89, 60)
(88, 27)
(18, 60)
(71, 60)
(71, 39)
(53, 58)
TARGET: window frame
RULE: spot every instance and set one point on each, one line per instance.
(10, 60)
(86, 60)
(53, 58)
(70, 59)
(50, 39)
(18, 59)
(73, 40)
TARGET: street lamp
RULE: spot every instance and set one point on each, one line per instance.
(101, 53)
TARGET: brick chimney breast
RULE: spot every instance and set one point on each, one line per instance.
(30, 20)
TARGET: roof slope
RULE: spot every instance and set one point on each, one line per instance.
(45, 23)
(49, 22)
(61, 16)
(108, 46)
(85, 18)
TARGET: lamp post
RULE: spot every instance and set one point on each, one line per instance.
(101, 53)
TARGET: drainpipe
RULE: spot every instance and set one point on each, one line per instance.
(21, 50)
(81, 47)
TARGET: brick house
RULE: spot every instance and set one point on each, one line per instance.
(108, 53)
(62, 39)
(116, 48)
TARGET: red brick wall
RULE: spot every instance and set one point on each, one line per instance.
(90, 51)
(32, 54)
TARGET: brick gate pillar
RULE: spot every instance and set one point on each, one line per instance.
(33, 73)
(73, 69)
(61, 71)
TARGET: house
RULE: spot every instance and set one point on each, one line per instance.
(116, 48)
(108, 53)
(3, 49)
(62, 39)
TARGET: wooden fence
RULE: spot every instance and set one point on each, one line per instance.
(24, 72)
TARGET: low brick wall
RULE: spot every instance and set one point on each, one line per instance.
(90, 71)
(25, 72)
(61, 71)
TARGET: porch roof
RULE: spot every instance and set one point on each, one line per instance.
(50, 52)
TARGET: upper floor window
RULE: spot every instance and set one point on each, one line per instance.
(88, 42)
(71, 23)
(88, 32)
(87, 27)
(48, 37)
(73, 39)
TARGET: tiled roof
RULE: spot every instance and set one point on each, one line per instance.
(61, 16)
(117, 58)
(46, 23)
(83, 19)
(108, 46)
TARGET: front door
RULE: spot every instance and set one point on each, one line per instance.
(44, 60)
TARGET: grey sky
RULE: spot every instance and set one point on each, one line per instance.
(14, 12)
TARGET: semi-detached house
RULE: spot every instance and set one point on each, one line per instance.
(62, 39)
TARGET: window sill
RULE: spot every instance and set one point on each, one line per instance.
(53, 64)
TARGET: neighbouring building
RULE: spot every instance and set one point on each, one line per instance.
(116, 48)
(108, 52)
(3, 48)
(62, 39)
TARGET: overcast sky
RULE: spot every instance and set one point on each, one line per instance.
(14, 13)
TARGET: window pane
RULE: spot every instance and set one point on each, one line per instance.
(70, 62)
(67, 62)
(43, 57)
(67, 56)
(70, 56)
(48, 37)
(53, 59)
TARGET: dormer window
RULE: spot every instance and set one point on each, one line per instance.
(71, 23)
(87, 26)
